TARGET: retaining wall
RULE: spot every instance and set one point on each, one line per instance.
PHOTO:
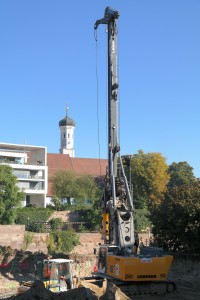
(12, 235)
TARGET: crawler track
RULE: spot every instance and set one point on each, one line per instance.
(147, 288)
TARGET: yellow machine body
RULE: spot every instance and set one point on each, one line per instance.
(138, 269)
(105, 227)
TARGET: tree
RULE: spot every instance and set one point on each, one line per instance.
(92, 217)
(10, 195)
(87, 189)
(176, 220)
(180, 173)
(66, 184)
(141, 219)
(149, 178)
(63, 184)
(62, 241)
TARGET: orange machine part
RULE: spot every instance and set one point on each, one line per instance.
(138, 269)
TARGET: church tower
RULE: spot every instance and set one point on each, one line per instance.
(67, 126)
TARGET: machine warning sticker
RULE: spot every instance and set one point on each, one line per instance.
(146, 260)
(116, 269)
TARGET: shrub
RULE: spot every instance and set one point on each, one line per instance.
(28, 238)
(62, 241)
(92, 217)
(33, 218)
(56, 224)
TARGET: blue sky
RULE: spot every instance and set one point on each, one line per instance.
(48, 60)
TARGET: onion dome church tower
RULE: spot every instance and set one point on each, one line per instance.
(67, 126)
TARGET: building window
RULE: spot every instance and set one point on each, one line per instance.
(68, 135)
(28, 200)
(64, 135)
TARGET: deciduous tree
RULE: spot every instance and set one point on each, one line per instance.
(66, 184)
(10, 195)
(176, 220)
(180, 173)
(149, 178)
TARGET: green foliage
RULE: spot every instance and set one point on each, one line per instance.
(176, 220)
(10, 195)
(82, 189)
(56, 224)
(141, 219)
(33, 218)
(28, 238)
(92, 217)
(180, 173)
(57, 203)
(63, 183)
(149, 178)
(62, 241)
(87, 189)
(83, 228)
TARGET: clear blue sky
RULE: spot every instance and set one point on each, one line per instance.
(48, 59)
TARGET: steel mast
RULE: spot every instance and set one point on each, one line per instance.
(117, 225)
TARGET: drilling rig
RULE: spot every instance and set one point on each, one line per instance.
(134, 273)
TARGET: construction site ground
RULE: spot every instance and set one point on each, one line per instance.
(18, 266)
(185, 273)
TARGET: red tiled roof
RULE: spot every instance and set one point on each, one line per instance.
(89, 166)
(58, 162)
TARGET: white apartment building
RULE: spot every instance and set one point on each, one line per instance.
(29, 165)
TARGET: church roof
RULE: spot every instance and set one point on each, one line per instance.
(81, 166)
(67, 121)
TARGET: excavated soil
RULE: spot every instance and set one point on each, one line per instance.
(185, 273)
(186, 290)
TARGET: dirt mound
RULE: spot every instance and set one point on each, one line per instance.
(38, 292)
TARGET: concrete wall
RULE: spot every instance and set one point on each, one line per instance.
(12, 235)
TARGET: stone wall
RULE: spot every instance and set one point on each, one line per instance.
(12, 235)
(84, 260)
(88, 242)
(39, 243)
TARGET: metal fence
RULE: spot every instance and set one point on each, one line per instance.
(46, 226)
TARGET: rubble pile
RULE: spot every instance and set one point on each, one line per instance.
(39, 292)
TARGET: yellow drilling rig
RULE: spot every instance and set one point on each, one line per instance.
(134, 273)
